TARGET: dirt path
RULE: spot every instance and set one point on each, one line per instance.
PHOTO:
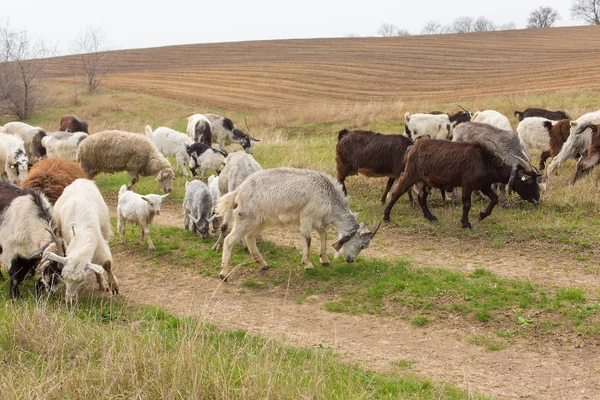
(523, 370)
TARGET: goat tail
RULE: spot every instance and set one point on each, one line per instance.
(226, 203)
(123, 189)
(518, 114)
(342, 133)
(406, 116)
(148, 130)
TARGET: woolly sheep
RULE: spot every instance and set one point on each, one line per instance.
(139, 210)
(51, 176)
(32, 138)
(115, 151)
(171, 144)
(63, 145)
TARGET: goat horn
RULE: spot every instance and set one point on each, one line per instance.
(57, 243)
(528, 165)
(55, 257)
(464, 109)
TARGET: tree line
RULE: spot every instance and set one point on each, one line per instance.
(587, 11)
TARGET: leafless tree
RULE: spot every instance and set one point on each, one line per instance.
(21, 70)
(483, 24)
(95, 59)
(387, 30)
(352, 35)
(543, 17)
(463, 25)
(402, 32)
(509, 26)
(586, 10)
(433, 28)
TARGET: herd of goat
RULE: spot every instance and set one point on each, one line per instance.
(53, 218)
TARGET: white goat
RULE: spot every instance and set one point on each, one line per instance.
(289, 195)
(428, 126)
(204, 157)
(199, 129)
(493, 118)
(534, 134)
(171, 144)
(576, 143)
(13, 158)
(63, 145)
(139, 210)
(84, 223)
(213, 186)
(197, 207)
(32, 138)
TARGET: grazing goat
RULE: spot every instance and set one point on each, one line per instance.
(13, 158)
(533, 133)
(471, 166)
(115, 151)
(197, 207)
(204, 157)
(139, 210)
(540, 112)
(32, 138)
(171, 144)
(430, 126)
(84, 223)
(63, 145)
(225, 132)
(72, 123)
(592, 159)
(457, 118)
(575, 144)
(215, 193)
(26, 217)
(199, 129)
(504, 143)
(558, 132)
(371, 154)
(289, 195)
(51, 176)
(238, 167)
(493, 118)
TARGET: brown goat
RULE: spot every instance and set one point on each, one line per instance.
(370, 154)
(444, 165)
(587, 163)
(51, 176)
(559, 134)
(72, 123)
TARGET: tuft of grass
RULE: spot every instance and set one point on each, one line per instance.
(253, 283)
(420, 320)
(491, 344)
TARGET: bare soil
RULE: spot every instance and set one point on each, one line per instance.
(566, 368)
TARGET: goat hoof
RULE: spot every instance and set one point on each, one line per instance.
(467, 225)
(432, 219)
(386, 219)
(223, 277)
(264, 268)
(325, 264)
(482, 216)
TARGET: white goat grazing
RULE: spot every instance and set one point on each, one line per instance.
(32, 138)
(63, 145)
(84, 223)
(139, 210)
(204, 157)
(493, 118)
(239, 166)
(312, 199)
(197, 207)
(171, 144)
(534, 134)
(427, 126)
(576, 143)
(13, 158)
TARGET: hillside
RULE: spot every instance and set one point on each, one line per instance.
(252, 76)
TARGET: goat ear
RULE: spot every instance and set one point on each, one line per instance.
(336, 245)
(95, 267)
(144, 198)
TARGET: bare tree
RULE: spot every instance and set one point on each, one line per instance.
(586, 10)
(351, 35)
(543, 17)
(463, 25)
(482, 24)
(387, 30)
(509, 26)
(21, 69)
(433, 28)
(402, 32)
(95, 60)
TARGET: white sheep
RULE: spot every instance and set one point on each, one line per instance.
(493, 118)
(139, 210)
(84, 222)
(32, 138)
(171, 144)
(63, 145)
(13, 158)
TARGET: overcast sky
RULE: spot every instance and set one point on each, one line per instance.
(137, 24)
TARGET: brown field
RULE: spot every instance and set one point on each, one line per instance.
(267, 75)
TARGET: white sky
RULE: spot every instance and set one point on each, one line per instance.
(137, 24)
